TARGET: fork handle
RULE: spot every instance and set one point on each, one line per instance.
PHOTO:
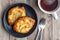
(41, 34)
(38, 34)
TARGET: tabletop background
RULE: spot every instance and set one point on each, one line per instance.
(51, 31)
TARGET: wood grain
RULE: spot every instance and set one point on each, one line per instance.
(48, 29)
(3, 34)
(51, 31)
(56, 26)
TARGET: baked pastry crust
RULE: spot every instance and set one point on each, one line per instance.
(23, 25)
(15, 13)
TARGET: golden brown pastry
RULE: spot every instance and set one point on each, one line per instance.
(23, 25)
(15, 13)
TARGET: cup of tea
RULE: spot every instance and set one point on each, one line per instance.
(49, 7)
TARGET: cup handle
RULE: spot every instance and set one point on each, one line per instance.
(54, 14)
(58, 9)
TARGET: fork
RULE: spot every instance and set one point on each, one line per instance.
(40, 29)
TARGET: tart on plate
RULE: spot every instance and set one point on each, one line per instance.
(14, 13)
(23, 25)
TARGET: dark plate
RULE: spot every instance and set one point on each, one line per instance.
(29, 11)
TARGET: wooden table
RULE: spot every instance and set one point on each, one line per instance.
(51, 31)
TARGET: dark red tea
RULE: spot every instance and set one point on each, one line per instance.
(49, 5)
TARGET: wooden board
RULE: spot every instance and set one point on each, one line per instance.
(51, 31)
(3, 34)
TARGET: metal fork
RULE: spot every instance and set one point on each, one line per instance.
(40, 29)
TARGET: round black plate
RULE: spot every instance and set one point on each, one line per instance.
(29, 11)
